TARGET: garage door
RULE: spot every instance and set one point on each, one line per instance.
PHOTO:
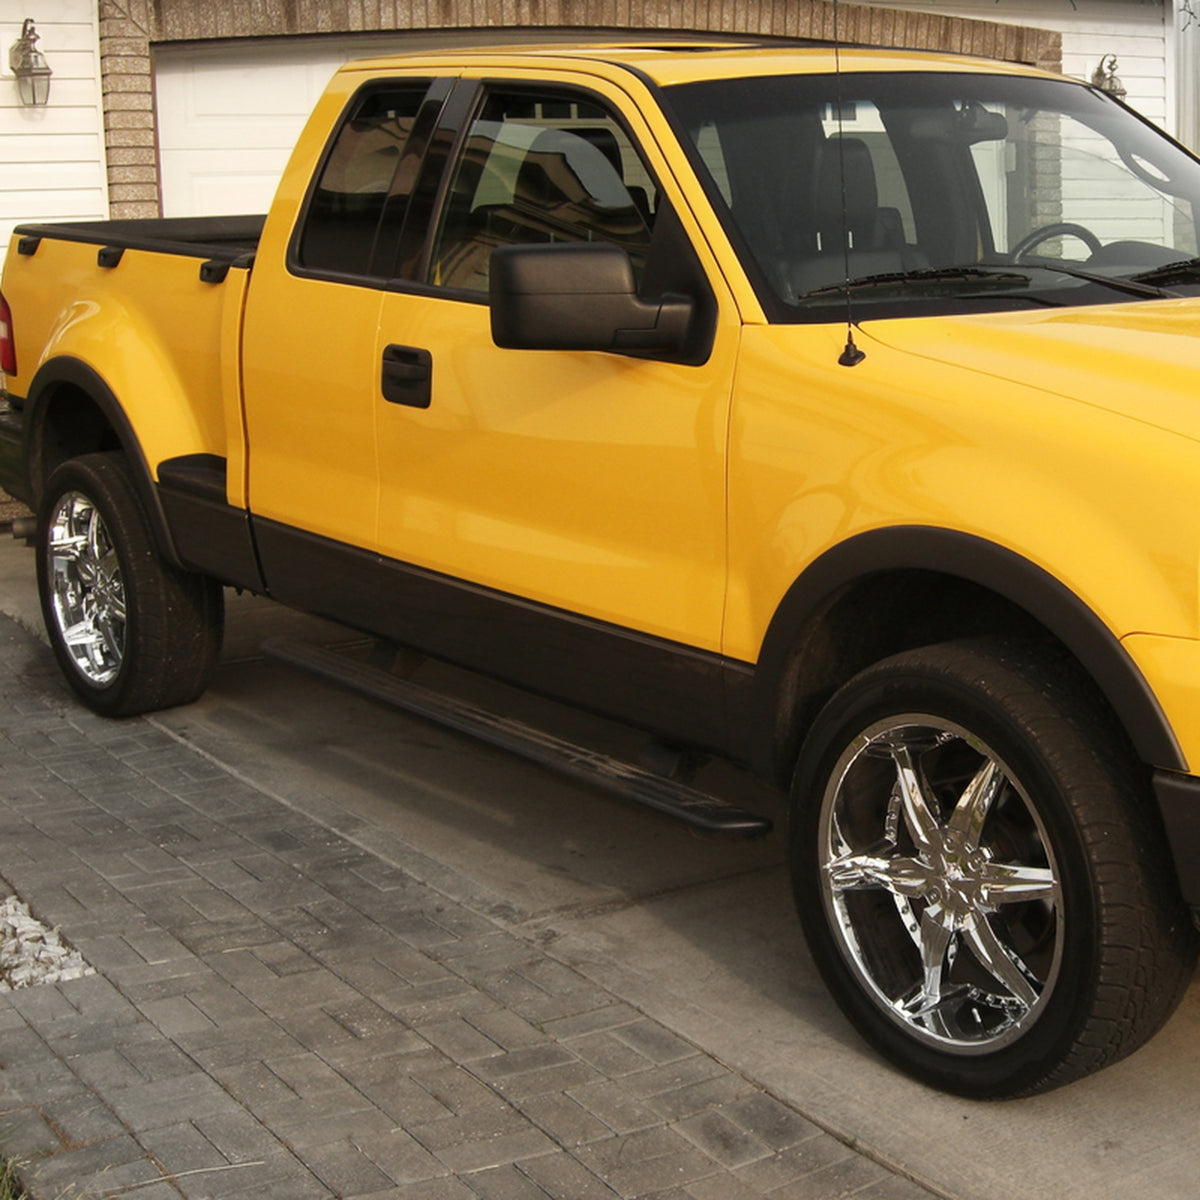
(229, 116)
(229, 113)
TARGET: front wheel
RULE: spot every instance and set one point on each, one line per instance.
(979, 874)
(131, 632)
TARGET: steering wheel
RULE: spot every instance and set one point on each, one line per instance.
(1058, 229)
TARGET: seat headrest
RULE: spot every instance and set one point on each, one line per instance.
(562, 166)
(848, 159)
(605, 141)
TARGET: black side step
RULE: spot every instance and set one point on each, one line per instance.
(686, 804)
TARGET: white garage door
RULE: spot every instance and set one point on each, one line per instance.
(229, 116)
(230, 113)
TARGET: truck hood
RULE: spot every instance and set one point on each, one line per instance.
(1141, 360)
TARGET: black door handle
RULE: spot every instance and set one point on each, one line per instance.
(407, 376)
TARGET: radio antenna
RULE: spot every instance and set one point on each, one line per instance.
(851, 356)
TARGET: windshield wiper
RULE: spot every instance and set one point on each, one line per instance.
(1176, 272)
(1001, 277)
(992, 276)
(1136, 285)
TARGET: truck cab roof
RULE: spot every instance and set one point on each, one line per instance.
(676, 61)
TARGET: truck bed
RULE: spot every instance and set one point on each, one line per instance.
(153, 279)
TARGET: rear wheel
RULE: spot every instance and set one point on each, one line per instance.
(979, 873)
(131, 632)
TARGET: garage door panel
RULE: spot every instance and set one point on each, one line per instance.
(219, 101)
(207, 102)
(229, 116)
(221, 182)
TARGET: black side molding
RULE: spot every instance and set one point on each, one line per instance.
(671, 691)
(208, 532)
(1179, 803)
(200, 475)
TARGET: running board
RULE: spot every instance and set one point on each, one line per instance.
(694, 808)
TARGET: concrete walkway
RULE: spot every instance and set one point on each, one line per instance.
(280, 1012)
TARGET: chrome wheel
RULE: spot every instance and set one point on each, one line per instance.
(939, 884)
(87, 591)
(132, 632)
(978, 870)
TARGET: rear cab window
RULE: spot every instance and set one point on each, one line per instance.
(355, 210)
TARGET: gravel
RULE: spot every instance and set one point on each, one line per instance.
(30, 953)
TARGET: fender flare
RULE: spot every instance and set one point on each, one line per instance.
(67, 371)
(975, 560)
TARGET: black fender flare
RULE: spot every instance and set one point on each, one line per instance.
(67, 371)
(1001, 571)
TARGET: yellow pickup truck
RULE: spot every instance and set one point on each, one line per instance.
(836, 411)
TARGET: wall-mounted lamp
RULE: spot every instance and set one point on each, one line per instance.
(29, 66)
(1105, 77)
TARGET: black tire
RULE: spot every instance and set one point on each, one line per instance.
(980, 871)
(131, 633)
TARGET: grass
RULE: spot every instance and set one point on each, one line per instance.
(10, 1185)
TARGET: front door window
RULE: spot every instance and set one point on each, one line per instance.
(538, 168)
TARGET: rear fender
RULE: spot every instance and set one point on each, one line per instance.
(66, 376)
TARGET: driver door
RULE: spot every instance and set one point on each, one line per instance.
(588, 484)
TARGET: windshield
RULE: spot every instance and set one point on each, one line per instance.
(944, 192)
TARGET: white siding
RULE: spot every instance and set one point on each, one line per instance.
(1138, 32)
(1186, 30)
(52, 158)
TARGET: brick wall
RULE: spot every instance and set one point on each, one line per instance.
(128, 29)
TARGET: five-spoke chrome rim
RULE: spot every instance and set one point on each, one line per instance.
(940, 884)
(87, 593)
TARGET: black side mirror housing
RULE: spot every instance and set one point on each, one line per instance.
(581, 296)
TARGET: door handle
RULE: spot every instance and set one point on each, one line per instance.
(407, 376)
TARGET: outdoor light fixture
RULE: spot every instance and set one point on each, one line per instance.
(1105, 77)
(29, 66)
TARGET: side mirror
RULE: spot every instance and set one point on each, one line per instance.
(580, 296)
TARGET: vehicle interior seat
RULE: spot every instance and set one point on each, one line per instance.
(851, 235)
(569, 188)
(566, 189)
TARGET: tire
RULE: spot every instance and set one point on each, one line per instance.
(131, 633)
(980, 873)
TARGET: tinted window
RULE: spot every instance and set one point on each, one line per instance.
(368, 174)
(937, 191)
(535, 168)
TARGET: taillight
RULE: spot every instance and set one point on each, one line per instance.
(8, 348)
